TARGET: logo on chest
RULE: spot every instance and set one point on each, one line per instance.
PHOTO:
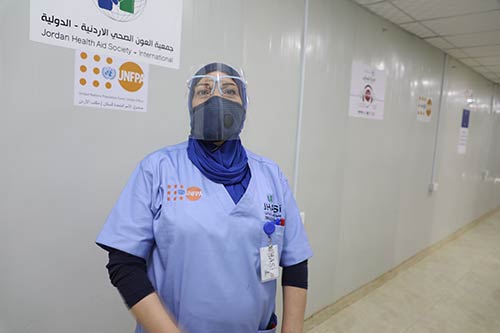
(193, 193)
(177, 192)
(272, 210)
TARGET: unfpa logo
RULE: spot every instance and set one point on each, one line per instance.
(97, 71)
(177, 192)
(121, 10)
(193, 193)
(131, 76)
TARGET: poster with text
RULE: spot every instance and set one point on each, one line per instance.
(464, 133)
(147, 31)
(367, 92)
(108, 82)
(424, 109)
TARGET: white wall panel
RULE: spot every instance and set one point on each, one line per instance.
(461, 197)
(494, 162)
(359, 178)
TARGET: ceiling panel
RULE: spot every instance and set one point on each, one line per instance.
(470, 62)
(494, 69)
(457, 53)
(465, 24)
(418, 29)
(440, 43)
(489, 61)
(491, 76)
(475, 39)
(468, 30)
(482, 70)
(366, 2)
(390, 12)
(483, 51)
(429, 9)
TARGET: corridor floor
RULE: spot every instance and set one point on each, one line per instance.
(455, 289)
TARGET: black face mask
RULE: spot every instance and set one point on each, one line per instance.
(217, 119)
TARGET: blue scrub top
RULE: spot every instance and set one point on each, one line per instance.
(201, 248)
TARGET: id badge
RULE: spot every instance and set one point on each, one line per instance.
(269, 263)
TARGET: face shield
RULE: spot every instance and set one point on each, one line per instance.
(217, 103)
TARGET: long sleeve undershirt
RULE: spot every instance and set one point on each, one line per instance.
(128, 273)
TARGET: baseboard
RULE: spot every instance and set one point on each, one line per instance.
(319, 317)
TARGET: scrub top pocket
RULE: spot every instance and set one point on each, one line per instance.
(272, 322)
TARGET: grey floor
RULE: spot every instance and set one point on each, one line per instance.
(455, 289)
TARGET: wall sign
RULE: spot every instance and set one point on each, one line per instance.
(464, 132)
(109, 82)
(143, 30)
(424, 109)
(367, 92)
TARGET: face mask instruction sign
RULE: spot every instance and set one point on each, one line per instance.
(108, 82)
(464, 133)
(143, 30)
(367, 92)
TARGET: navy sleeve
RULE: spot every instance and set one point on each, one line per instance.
(296, 247)
(128, 273)
(295, 275)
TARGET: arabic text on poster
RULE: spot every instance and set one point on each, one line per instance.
(144, 30)
(367, 92)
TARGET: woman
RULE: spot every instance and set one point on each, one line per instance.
(197, 234)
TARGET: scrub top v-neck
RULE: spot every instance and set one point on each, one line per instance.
(202, 249)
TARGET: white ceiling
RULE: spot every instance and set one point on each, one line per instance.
(468, 30)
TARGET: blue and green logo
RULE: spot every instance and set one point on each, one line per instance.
(124, 5)
(121, 10)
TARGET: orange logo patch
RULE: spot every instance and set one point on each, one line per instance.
(193, 193)
(131, 76)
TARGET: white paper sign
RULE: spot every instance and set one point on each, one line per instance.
(424, 109)
(108, 82)
(144, 30)
(367, 92)
(462, 141)
(464, 132)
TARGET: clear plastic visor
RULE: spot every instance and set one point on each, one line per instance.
(205, 86)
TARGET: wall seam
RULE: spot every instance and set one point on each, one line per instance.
(301, 98)
(438, 125)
